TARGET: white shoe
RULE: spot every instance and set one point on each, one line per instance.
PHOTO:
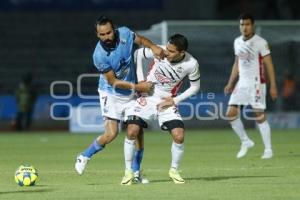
(139, 178)
(81, 162)
(175, 176)
(244, 148)
(267, 154)
(128, 177)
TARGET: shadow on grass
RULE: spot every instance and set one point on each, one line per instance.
(214, 178)
(26, 191)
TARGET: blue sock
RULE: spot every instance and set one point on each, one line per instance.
(92, 149)
(138, 156)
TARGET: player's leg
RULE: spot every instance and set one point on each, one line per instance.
(134, 126)
(111, 132)
(136, 116)
(137, 159)
(176, 128)
(111, 109)
(139, 152)
(238, 127)
(265, 131)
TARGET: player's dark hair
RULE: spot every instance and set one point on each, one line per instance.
(104, 20)
(244, 16)
(179, 41)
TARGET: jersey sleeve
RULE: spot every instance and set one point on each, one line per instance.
(234, 47)
(147, 53)
(101, 66)
(264, 48)
(195, 73)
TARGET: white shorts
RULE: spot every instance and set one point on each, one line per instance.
(254, 96)
(146, 108)
(113, 106)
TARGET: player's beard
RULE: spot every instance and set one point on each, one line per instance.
(109, 43)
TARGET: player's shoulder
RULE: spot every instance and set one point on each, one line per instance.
(124, 30)
(260, 39)
(190, 60)
(98, 52)
(239, 38)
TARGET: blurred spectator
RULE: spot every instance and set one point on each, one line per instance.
(289, 92)
(25, 96)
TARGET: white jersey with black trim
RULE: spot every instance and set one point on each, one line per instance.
(250, 55)
(167, 76)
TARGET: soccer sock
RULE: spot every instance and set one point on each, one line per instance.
(265, 131)
(129, 147)
(138, 156)
(177, 153)
(238, 127)
(92, 149)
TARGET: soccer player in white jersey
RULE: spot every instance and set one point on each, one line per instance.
(113, 57)
(167, 75)
(247, 84)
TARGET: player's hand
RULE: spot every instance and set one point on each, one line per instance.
(166, 103)
(144, 87)
(273, 93)
(228, 89)
(158, 51)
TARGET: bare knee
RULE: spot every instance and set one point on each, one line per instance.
(178, 135)
(260, 117)
(133, 131)
(232, 113)
(108, 137)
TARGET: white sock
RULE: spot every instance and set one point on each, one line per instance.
(177, 153)
(129, 147)
(265, 131)
(238, 127)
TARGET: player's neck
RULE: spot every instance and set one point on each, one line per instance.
(179, 59)
(248, 37)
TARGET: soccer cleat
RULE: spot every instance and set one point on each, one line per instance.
(175, 176)
(81, 162)
(244, 148)
(267, 154)
(139, 178)
(128, 177)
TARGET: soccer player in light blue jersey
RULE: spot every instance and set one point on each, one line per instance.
(113, 57)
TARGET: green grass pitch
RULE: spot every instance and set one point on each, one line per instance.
(209, 166)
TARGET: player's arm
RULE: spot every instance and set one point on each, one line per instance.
(141, 54)
(140, 87)
(271, 75)
(170, 101)
(157, 51)
(192, 90)
(233, 77)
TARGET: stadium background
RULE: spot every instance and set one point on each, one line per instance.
(54, 41)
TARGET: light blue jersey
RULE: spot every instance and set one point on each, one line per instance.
(120, 60)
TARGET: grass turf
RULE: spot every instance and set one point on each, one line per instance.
(209, 167)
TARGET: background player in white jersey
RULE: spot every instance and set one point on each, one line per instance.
(113, 57)
(167, 75)
(251, 55)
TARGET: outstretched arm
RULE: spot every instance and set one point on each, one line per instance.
(140, 87)
(157, 51)
(170, 101)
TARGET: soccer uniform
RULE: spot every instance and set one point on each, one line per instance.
(251, 86)
(113, 100)
(167, 78)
